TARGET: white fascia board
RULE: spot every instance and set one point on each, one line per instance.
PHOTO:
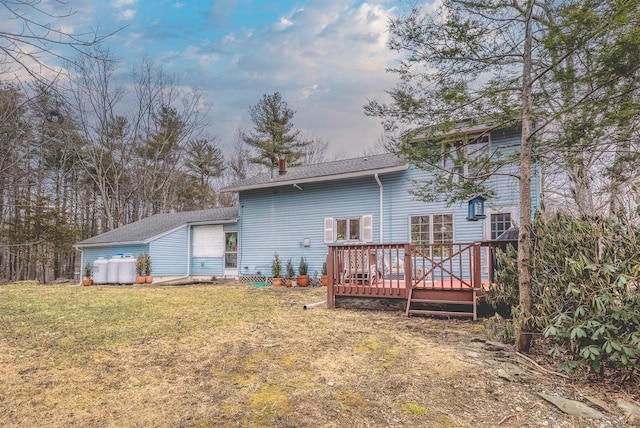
(102, 244)
(160, 235)
(478, 129)
(201, 223)
(153, 238)
(319, 179)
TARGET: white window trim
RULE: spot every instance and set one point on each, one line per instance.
(507, 209)
(510, 209)
(458, 175)
(453, 224)
(366, 229)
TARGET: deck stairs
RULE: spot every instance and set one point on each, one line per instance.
(445, 303)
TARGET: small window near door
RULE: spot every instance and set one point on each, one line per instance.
(231, 250)
(500, 222)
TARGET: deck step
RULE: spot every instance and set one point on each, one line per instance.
(443, 302)
(441, 313)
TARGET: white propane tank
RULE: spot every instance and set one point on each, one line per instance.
(113, 268)
(100, 269)
(127, 270)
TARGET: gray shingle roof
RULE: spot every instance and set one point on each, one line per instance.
(143, 230)
(335, 170)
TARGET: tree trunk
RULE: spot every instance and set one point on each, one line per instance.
(524, 239)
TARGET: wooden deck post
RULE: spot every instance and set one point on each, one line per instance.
(330, 278)
(408, 266)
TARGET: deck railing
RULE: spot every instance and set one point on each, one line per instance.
(389, 270)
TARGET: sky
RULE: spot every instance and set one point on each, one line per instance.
(326, 57)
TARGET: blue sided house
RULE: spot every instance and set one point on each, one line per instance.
(360, 216)
(357, 215)
(187, 244)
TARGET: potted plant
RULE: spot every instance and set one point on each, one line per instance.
(323, 277)
(147, 270)
(303, 277)
(141, 267)
(87, 275)
(291, 274)
(276, 269)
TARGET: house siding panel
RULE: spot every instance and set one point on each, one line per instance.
(169, 253)
(90, 254)
(207, 266)
(276, 220)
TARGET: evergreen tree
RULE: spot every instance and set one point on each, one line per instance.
(508, 64)
(273, 136)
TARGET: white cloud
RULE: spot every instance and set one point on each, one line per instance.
(179, 5)
(118, 4)
(126, 15)
(327, 59)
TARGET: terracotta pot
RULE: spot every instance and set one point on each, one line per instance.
(148, 279)
(87, 281)
(288, 283)
(324, 280)
(303, 280)
(277, 282)
(140, 279)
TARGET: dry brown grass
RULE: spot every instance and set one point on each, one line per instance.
(234, 355)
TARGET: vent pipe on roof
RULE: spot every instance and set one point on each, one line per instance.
(283, 166)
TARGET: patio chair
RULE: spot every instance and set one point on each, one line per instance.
(360, 267)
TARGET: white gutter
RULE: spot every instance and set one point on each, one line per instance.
(292, 181)
(381, 204)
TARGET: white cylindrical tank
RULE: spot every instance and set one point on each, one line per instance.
(100, 269)
(113, 268)
(127, 270)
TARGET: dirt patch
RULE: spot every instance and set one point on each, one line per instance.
(233, 355)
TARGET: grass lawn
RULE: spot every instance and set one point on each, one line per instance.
(232, 355)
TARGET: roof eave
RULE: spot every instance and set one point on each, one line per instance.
(159, 235)
(319, 179)
(102, 244)
(204, 222)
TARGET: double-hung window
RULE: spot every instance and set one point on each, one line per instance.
(434, 229)
(348, 229)
(499, 223)
(457, 152)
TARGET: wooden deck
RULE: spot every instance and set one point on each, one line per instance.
(432, 279)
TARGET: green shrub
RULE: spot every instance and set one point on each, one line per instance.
(584, 288)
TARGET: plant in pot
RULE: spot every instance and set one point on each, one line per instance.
(87, 275)
(141, 267)
(147, 270)
(291, 274)
(303, 277)
(323, 277)
(276, 269)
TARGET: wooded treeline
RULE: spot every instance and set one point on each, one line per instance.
(120, 154)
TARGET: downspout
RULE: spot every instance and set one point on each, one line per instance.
(189, 231)
(381, 200)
